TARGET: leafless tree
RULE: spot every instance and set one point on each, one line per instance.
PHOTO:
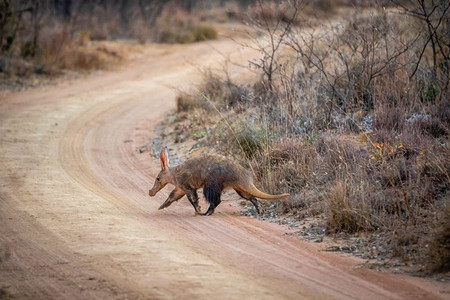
(275, 33)
(434, 15)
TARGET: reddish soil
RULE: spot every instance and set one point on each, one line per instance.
(76, 220)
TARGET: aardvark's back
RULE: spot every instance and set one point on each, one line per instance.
(200, 170)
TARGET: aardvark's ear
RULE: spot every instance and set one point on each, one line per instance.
(164, 156)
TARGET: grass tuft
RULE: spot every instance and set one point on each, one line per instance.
(439, 243)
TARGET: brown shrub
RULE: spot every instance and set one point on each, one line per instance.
(389, 118)
(223, 93)
(441, 111)
(439, 243)
(291, 163)
(282, 11)
(17, 67)
(204, 32)
(178, 26)
(340, 156)
(431, 126)
(250, 140)
(342, 215)
(188, 102)
(84, 60)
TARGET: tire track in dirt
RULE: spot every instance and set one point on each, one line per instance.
(116, 186)
(77, 221)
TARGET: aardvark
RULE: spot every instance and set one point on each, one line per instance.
(212, 172)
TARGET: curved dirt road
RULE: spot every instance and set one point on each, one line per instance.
(76, 221)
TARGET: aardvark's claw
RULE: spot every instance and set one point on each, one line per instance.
(165, 204)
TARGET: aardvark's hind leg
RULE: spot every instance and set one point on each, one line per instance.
(212, 194)
(252, 199)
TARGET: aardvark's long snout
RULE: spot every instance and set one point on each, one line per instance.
(151, 193)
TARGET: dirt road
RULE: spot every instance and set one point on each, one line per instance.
(76, 221)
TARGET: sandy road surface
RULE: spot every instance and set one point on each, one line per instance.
(76, 221)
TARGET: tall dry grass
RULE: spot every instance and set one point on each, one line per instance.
(344, 127)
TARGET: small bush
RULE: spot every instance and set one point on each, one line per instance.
(204, 32)
(223, 93)
(178, 26)
(441, 111)
(84, 60)
(428, 89)
(297, 162)
(286, 166)
(389, 119)
(172, 35)
(432, 127)
(341, 216)
(249, 140)
(186, 102)
(273, 12)
(439, 243)
(17, 67)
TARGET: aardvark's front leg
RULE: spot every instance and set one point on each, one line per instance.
(175, 195)
(193, 198)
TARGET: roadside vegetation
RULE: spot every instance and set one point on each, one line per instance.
(43, 39)
(352, 117)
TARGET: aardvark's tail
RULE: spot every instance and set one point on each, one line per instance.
(258, 194)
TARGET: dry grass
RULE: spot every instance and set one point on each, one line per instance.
(57, 52)
(342, 216)
(185, 34)
(178, 26)
(439, 243)
(369, 154)
(281, 11)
